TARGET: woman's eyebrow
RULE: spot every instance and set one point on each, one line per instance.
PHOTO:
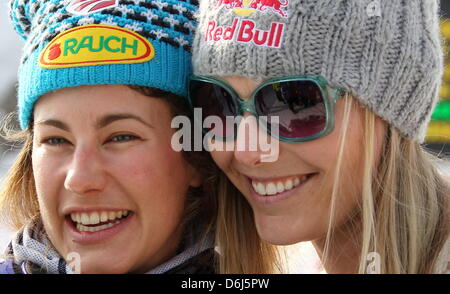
(101, 123)
(110, 118)
(54, 123)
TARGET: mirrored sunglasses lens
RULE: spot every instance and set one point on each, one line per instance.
(299, 106)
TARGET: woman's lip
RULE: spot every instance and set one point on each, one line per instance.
(266, 200)
(279, 179)
(86, 238)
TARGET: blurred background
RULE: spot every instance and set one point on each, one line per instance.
(438, 135)
(9, 61)
(305, 261)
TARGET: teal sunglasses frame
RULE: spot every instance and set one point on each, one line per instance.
(329, 93)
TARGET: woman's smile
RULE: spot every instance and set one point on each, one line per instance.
(271, 190)
(97, 225)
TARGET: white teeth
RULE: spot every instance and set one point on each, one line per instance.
(261, 189)
(82, 228)
(289, 184)
(84, 219)
(280, 187)
(111, 215)
(94, 218)
(272, 188)
(97, 217)
(104, 216)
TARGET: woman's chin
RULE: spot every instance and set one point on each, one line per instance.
(278, 231)
(100, 266)
(100, 261)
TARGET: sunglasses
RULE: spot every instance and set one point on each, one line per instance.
(303, 106)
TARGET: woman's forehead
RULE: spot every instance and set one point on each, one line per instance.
(93, 102)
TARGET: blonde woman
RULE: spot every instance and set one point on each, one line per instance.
(348, 87)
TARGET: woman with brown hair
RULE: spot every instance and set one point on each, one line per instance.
(97, 187)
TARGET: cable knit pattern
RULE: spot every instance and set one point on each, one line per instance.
(392, 62)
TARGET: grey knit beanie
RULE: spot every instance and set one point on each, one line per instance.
(387, 53)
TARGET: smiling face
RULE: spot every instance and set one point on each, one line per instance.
(291, 197)
(109, 185)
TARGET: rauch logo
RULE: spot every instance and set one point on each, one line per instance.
(94, 45)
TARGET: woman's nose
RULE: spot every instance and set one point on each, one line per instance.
(248, 145)
(86, 173)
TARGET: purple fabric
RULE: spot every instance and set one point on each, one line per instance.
(6, 267)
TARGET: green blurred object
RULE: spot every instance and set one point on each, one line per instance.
(440, 120)
(438, 132)
(442, 111)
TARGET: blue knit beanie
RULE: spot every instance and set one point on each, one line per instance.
(71, 43)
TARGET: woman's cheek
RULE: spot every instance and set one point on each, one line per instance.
(222, 159)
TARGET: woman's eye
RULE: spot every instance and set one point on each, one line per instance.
(123, 138)
(56, 141)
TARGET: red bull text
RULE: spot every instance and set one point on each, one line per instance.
(245, 31)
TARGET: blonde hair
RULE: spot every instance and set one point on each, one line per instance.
(18, 198)
(241, 251)
(403, 212)
(405, 205)
(404, 208)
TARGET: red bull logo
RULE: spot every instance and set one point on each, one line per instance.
(245, 31)
(247, 7)
(85, 7)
